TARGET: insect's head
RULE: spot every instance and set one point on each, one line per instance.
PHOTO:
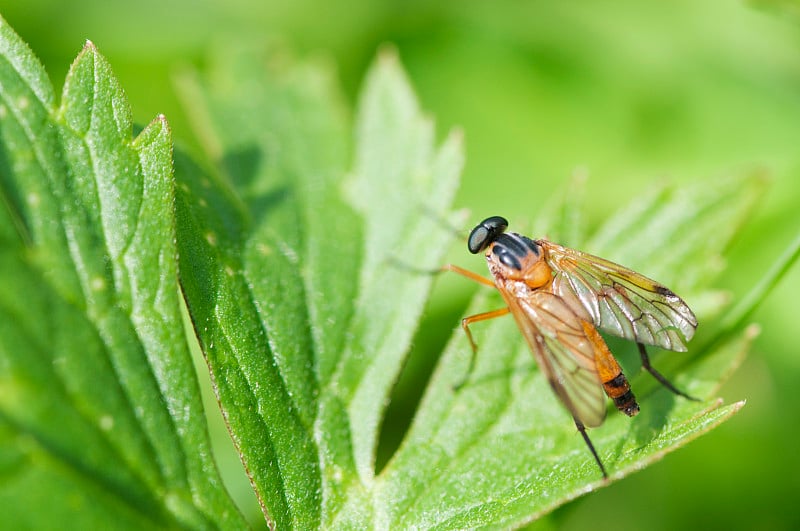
(509, 250)
(485, 233)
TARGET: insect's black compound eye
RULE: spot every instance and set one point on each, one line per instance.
(485, 233)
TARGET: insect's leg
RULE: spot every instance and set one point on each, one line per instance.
(465, 322)
(468, 274)
(582, 429)
(448, 267)
(442, 222)
(658, 376)
(399, 264)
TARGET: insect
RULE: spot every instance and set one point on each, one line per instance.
(559, 298)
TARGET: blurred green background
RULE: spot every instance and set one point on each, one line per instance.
(633, 94)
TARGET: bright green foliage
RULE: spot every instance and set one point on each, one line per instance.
(502, 451)
(300, 308)
(302, 272)
(302, 246)
(100, 416)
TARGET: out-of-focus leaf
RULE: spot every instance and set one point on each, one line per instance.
(100, 415)
(678, 234)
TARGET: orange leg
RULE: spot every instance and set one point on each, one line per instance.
(478, 317)
(465, 322)
(448, 267)
(469, 274)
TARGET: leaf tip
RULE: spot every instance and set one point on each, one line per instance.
(760, 174)
(388, 54)
(161, 122)
(730, 409)
(158, 128)
(456, 135)
(89, 51)
(752, 331)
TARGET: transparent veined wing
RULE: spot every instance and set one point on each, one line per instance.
(620, 301)
(563, 352)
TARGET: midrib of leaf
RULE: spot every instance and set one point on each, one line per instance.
(678, 234)
(270, 157)
(62, 401)
(736, 318)
(97, 214)
(398, 178)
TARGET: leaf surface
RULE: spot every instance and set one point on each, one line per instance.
(100, 413)
(302, 273)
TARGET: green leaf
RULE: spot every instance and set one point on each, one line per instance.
(100, 414)
(301, 271)
(303, 321)
(502, 451)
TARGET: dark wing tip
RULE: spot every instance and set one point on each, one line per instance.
(665, 291)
